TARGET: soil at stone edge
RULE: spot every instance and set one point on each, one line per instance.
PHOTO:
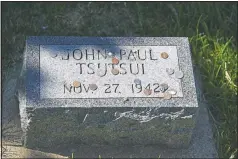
(13, 151)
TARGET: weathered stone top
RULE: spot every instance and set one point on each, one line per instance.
(108, 72)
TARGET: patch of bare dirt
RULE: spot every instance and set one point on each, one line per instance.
(17, 151)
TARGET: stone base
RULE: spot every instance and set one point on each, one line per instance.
(48, 127)
(201, 146)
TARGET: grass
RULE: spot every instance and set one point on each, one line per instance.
(210, 26)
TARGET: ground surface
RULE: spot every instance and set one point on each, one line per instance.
(15, 151)
(211, 28)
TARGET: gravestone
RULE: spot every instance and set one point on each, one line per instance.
(107, 91)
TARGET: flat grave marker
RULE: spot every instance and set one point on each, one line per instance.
(107, 90)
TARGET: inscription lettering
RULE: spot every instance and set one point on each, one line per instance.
(89, 71)
(112, 88)
(77, 54)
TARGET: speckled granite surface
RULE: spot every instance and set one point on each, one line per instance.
(108, 121)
